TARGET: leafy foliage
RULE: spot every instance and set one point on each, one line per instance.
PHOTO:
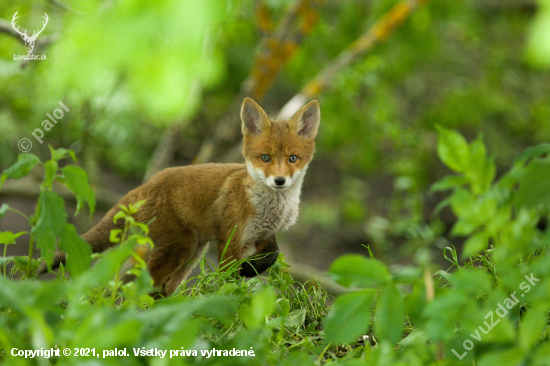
(141, 66)
(491, 308)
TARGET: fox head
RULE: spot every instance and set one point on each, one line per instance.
(277, 153)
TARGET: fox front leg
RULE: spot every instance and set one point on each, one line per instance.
(267, 252)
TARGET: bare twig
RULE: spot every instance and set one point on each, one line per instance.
(264, 24)
(5, 27)
(323, 80)
(273, 54)
(164, 151)
(374, 35)
(303, 273)
(28, 188)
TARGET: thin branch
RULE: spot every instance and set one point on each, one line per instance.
(264, 23)
(5, 27)
(303, 273)
(374, 35)
(28, 188)
(164, 151)
(274, 52)
(377, 33)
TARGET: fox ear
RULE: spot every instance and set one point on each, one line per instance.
(255, 120)
(306, 120)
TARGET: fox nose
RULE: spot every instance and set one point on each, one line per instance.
(279, 181)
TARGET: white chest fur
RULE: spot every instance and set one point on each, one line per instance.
(275, 211)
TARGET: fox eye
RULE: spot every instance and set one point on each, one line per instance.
(293, 158)
(266, 158)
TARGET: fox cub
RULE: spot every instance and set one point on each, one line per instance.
(197, 204)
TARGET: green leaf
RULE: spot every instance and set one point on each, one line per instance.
(261, 306)
(51, 219)
(3, 209)
(104, 270)
(61, 153)
(534, 184)
(448, 182)
(23, 166)
(51, 169)
(509, 357)
(538, 45)
(76, 180)
(355, 270)
(8, 237)
(533, 152)
(350, 316)
(471, 281)
(283, 306)
(115, 235)
(389, 321)
(5, 260)
(532, 326)
(475, 244)
(296, 318)
(481, 171)
(76, 249)
(453, 150)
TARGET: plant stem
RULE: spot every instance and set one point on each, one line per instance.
(115, 287)
(4, 256)
(19, 213)
(322, 353)
(31, 250)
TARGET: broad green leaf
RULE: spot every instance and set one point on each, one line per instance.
(453, 150)
(283, 306)
(355, 270)
(389, 321)
(442, 314)
(534, 184)
(475, 244)
(296, 318)
(465, 226)
(481, 171)
(76, 180)
(350, 316)
(509, 357)
(8, 237)
(532, 326)
(462, 202)
(261, 306)
(23, 166)
(170, 32)
(471, 281)
(51, 219)
(76, 249)
(538, 44)
(105, 268)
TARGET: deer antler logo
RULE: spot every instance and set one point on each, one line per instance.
(29, 40)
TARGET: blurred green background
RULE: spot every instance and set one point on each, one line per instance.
(151, 84)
